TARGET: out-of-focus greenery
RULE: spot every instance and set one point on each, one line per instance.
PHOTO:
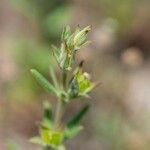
(11, 146)
(122, 11)
(49, 15)
(23, 83)
(109, 128)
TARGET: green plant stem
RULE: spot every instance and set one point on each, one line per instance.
(48, 148)
(64, 79)
(60, 105)
(58, 115)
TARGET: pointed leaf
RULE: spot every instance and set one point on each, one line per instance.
(47, 116)
(61, 147)
(43, 82)
(72, 132)
(66, 33)
(37, 140)
(78, 116)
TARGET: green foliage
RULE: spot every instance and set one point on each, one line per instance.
(52, 132)
(75, 120)
(11, 146)
(43, 82)
(71, 132)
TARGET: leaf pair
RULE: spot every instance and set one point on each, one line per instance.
(48, 138)
(53, 138)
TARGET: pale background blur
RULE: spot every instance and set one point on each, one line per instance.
(119, 56)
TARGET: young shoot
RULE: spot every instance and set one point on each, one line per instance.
(52, 131)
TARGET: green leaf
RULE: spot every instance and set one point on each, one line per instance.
(78, 116)
(51, 137)
(72, 132)
(61, 147)
(47, 116)
(66, 33)
(43, 82)
(45, 135)
(47, 110)
(56, 138)
(56, 52)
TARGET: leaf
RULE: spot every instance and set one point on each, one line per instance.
(51, 137)
(56, 138)
(66, 33)
(78, 116)
(43, 81)
(56, 52)
(70, 42)
(72, 132)
(45, 135)
(37, 140)
(47, 110)
(61, 147)
(47, 116)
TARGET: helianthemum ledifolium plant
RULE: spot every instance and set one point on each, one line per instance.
(53, 132)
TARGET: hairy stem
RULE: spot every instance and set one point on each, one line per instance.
(59, 106)
(58, 114)
(48, 148)
(64, 76)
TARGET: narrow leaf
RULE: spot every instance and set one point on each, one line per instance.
(37, 140)
(43, 81)
(47, 116)
(47, 110)
(72, 132)
(78, 116)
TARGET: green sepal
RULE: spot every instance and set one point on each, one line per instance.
(56, 52)
(80, 37)
(73, 89)
(66, 33)
(80, 84)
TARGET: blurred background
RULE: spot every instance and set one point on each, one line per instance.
(119, 56)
